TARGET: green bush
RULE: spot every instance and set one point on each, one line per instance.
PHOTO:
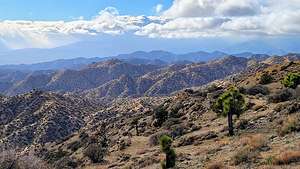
(265, 79)
(292, 80)
(165, 145)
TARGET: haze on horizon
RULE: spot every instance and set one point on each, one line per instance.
(35, 31)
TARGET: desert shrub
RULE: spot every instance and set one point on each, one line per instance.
(53, 156)
(265, 79)
(212, 88)
(257, 89)
(270, 160)
(154, 138)
(124, 142)
(171, 122)
(165, 145)
(242, 124)
(178, 130)
(255, 142)
(251, 147)
(292, 80)
(74, 145)
(175, 108)
(160, 115)
(291, 124)
(83, 135)
(95, 152)
(228, 104)
(281, 96)
(292, 107)
(244, 155)
(287, 157)
(10, 160)
(135, 124)
(66, 163)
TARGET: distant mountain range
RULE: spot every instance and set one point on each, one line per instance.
(104, 46)
(157, 57)
(137, 74)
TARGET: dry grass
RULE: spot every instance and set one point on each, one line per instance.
(243, 155)
(250, 150)
(291, 124)
(287, 157)
(254, 142)
(216, 166)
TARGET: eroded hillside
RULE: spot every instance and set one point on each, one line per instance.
(68, 132)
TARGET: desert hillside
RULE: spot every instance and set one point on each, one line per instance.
(67, 131)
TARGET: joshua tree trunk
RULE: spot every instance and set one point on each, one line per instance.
(230, 124)
(137, 129)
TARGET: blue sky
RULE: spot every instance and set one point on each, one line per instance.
(259, 26)
(71, 9)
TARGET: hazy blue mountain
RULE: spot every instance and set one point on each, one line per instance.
(76, 63)
(201, 56)
(172, 57)
(156, 57)
(112, 46)
(152, 55)
(3, 48)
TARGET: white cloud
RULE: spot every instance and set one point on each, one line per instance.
(38, 34)
(158, 8)
(184, 19)
(209, 8)
(184, 28)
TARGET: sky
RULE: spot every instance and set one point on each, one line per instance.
(243, 24)
(53, 10)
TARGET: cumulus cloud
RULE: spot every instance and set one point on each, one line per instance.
(21, 34)
(184, 19)
(209, 8)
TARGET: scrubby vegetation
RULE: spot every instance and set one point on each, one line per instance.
(291, 124)
(127, 132)
(281, 96)
(228, 104)
(265, 79)
(11, 160)
(257, 89)
(292, 80)
(251, 147)
(160, 115)
(284, 158)
(165, 145)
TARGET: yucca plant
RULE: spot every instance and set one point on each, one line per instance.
(228, 104)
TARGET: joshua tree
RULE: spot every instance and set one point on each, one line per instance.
(165, 145)
(228, 104)
(160, 115)
(135, 123)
